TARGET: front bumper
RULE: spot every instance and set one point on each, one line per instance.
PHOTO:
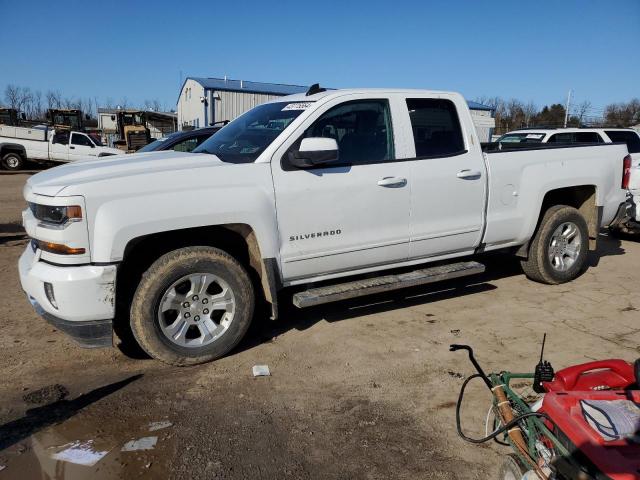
(84, 297)
(88, 334)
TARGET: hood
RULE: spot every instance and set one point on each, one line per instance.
(115, 151)
(51, 182)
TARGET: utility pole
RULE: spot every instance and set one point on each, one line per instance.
(566, 111)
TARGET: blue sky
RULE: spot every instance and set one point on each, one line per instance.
(531, 50)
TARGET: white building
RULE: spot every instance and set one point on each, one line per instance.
(484, 119)
(204, 101)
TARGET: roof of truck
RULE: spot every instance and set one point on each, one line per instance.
(303, 97)
(568, 129)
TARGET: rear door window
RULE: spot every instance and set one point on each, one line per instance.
(561, 138)
(587, 137)
(185, 145)
(630, 138)
(189, 144)
(436, 127)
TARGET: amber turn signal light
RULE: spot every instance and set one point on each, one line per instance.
(59, 248)
(75, 212)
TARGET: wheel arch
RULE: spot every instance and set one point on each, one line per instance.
(237, 239)
(580, 197)
(13, 148)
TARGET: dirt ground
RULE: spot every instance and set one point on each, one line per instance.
(362, 389)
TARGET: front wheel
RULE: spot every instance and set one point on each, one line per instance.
(12, 161)
(559, 249)
(193, 305)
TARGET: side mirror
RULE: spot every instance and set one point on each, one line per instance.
(315, 151)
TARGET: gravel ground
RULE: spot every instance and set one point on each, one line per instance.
(362, 389)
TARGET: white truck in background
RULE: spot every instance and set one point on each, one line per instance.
(628, 136)
(173, 250)
(44, 144)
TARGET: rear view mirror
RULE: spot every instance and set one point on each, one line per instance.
(315, 151)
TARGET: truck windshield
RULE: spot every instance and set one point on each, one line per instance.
(244, 139)
(521, 138)
(96, 139)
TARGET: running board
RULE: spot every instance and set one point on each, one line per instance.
(368, 286)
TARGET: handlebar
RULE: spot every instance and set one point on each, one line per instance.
(472, 358)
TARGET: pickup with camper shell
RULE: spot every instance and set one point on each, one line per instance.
(42, 144)
(174, 250)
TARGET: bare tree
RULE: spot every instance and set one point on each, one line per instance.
(26, 102)
(37, 105)
(53, 99)
(12, 96)
(623, 114)
(152, 105)
(581, 110)
(529, 110)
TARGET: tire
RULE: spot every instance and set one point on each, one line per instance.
(176, 287)
(12, 161)
(511, 468)
(554, 239)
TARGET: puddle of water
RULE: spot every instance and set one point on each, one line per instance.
(51, 453)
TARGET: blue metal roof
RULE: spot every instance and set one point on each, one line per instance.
(479, 106)
(247, 86)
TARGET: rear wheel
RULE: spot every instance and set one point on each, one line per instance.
(12, 161)
(193, 305)
(512, 468)
(559, 249)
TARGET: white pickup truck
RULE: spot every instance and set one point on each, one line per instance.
(177, 248)
(41, 144)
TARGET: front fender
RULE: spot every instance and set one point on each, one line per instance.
(189, 200)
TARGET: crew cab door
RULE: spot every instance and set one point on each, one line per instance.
(350, 214)
(59, 146)
(448, 177)
(80, 146)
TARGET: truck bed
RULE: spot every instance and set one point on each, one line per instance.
(520, 176)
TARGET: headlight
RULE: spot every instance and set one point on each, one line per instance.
(56, 216)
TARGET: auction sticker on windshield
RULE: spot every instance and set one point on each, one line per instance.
(297, 106)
